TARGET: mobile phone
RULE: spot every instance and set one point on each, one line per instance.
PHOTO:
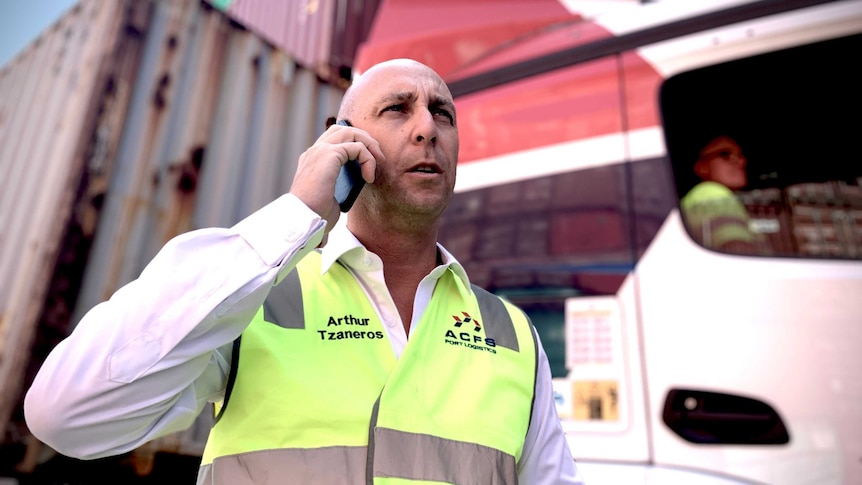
(349, 181)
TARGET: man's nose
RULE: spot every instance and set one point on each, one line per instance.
(424, 127)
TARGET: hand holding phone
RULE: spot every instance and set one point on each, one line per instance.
(349, 181)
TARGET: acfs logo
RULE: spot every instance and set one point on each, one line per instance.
(460, 334)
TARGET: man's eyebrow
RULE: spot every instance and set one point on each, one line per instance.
(442, 102)
(399, 97)
(410, 97)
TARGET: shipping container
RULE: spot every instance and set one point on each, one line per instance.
(321, 35)
(62, 100)
(124, 124)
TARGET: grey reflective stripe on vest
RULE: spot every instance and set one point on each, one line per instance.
(324, 466)
(431, 458)
(418, 457)
(497, 321)
(535, 334)
(283, 306)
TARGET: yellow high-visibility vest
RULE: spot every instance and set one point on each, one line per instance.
(316, 394)
(716, 218)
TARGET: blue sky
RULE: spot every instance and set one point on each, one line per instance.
(21, 21)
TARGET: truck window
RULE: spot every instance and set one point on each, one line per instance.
(764, 152)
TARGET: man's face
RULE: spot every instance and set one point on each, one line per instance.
(409, 110)
(722, 161)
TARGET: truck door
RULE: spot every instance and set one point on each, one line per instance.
(750, 294)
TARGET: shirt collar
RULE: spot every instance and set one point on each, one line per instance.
(342, 245)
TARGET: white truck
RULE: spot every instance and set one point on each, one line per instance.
(674, 362)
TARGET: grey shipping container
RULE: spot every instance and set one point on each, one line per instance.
(124, 124)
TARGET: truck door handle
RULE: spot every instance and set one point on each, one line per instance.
(715, 418)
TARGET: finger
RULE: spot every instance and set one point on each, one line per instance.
(342, 134)
(363, 154)
(377, 156)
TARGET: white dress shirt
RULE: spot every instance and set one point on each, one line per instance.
(144, 363)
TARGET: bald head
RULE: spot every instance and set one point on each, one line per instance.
(382, 72)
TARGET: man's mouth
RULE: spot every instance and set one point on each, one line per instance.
(426, 168)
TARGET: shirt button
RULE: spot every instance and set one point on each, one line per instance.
(292, 236)
(368, 261)
(390, 323)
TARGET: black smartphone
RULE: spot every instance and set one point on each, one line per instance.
(349, 181)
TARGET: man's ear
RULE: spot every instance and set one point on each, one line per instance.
(701, 169)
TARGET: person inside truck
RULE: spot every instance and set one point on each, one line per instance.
(370, 357)
(714, 215)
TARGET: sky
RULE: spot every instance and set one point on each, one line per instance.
(21, 21)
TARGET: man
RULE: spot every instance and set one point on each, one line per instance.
(324, 385)
(721, 160)
(715, 216)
